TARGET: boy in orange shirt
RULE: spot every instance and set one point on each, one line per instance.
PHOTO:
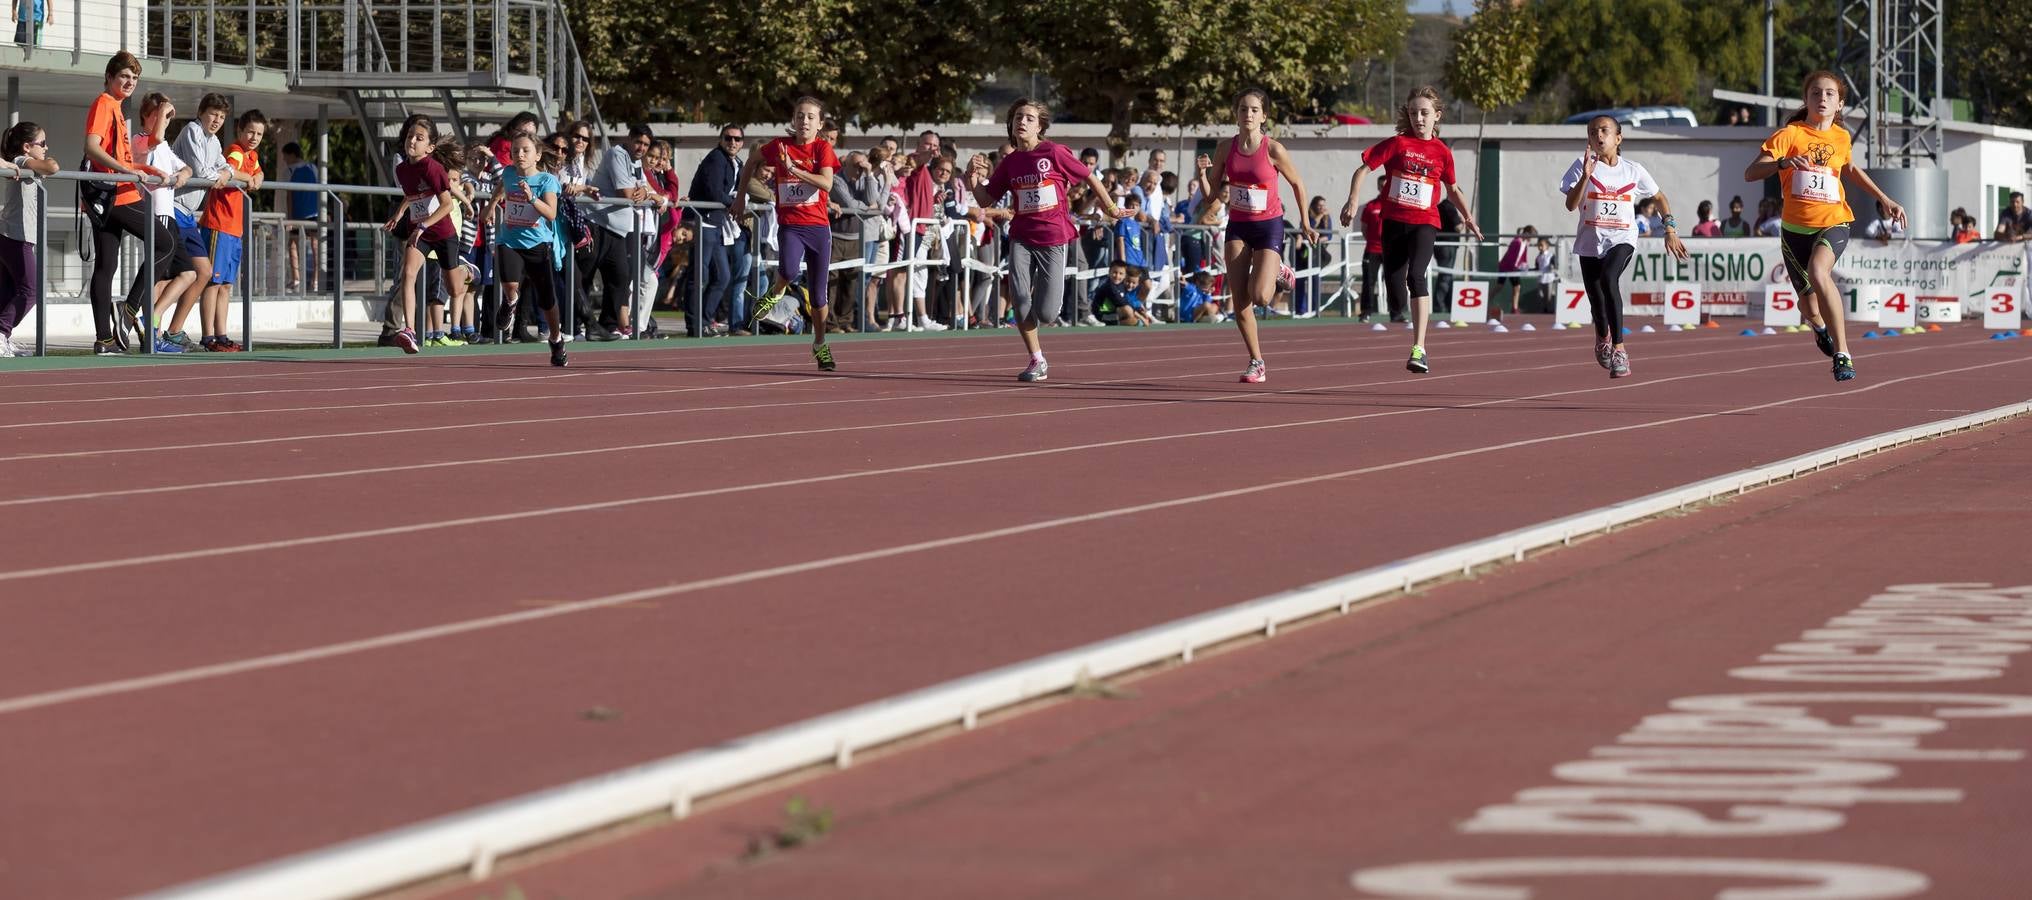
(224, 226)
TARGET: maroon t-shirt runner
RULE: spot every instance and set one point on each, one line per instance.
(1038, 180)
(423, 181)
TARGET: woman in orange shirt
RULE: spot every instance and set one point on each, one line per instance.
(1811, 157)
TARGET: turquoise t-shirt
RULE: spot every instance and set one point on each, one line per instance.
(522, 227)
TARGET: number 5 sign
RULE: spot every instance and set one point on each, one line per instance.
(1571, 307)
(2003, 309)
(1682, 304)
(1470, 302)
(1781, 306)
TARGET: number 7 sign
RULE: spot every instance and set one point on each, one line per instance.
(1571, 305)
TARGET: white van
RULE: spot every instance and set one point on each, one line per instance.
(1640, 116)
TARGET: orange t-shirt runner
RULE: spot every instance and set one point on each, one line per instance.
(107, 121)
(1813, 194)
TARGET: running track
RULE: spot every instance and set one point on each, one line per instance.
(269, 605)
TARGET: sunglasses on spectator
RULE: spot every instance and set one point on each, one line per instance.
(36, 144)
(583, 137)
(733, 138)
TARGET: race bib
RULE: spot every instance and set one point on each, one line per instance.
(421, 208)
(1248, 198)
(1616, 212)
(795, 193)
(1412, 191)
(519, 212)
(1817, 185)
(1038, 199)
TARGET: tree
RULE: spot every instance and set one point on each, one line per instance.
(1493, 57)
(1989, 60)
(1192, 78)
(882, 61)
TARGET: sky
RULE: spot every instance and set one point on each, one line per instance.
(1433, 6)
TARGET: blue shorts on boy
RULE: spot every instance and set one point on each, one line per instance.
(192, 236)
(224, 249)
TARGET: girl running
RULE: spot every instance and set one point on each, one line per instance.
(1039, 174)
(1810, 156)
(428, 201)
(530, 249)
(1246, 167)
(803, 169)
(1417, 164)
(1604, 186)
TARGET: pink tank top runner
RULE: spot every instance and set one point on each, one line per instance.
(1252, 184)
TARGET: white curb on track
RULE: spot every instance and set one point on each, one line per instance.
(474, 839)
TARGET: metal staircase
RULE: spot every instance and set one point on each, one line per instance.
(469, 64)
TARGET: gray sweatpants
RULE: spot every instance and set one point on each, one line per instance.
(1036, 282)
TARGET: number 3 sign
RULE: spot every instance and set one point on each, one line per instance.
(2003, 309)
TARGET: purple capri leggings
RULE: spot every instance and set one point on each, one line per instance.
(806, 247)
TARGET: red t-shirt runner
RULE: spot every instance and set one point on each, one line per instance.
(105, 120)
(1038, 180)
(797, 202)
(422, 182)
(1417, 167)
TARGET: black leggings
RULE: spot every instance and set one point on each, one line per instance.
(119, 222)
(536, 270)
(1407, 252)
(1603, 277)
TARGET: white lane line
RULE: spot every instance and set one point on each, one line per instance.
(659, 445)
(601, 505)
(449, 629)
(261, 392)
(321, 369)
(813, 380)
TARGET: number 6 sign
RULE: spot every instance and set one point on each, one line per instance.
(1682, 304)
(1781, 306)
(1571, 307)
(1470, 302)
(2002, 310)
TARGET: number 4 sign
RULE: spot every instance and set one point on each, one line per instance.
(1781, 306)
(1572, 306)
(1682, 304)
(1896, 308)
(1470, 302)
(2003, 309)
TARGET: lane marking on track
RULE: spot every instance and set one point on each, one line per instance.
(1053, 388)
(682, 442)
(601, 505)
(450, 629)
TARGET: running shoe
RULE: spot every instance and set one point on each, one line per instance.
(127, 327)
(228, 345)
(406, 339)
(1603, 350)
(165, 345)
(1091, 322)
(824, 354)
(1417, 361)
(1824, 339)
(1844, 367)
(926, 324)
(1257, 373)
(557, 355)
(178, 338)
(6, 347)
(107, 347)
(1619, 364)
(1035, 372)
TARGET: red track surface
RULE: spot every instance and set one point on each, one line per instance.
(228, 651)
(1280, 769)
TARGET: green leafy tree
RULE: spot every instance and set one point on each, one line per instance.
(881, 61)
(1492, 58)
(1989, 59)
(1110, 64)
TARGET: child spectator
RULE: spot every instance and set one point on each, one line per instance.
(1768, 221)
(1515, 259)
(1197, 303)
(1963, 226)
(1111, 294)
(172, 283)
(24, 159)
(1129, 234)
(225, 225)
(1131, 311)
(198, 146)
(1707, 226)
(1735, 225)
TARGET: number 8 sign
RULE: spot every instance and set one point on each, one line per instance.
(1572, 306)
(1470, 302)
(1682, 304)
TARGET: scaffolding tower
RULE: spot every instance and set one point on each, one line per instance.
(1888, 52)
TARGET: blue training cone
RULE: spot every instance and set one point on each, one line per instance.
(1748, 332)
(1869, 335)
(1626, 329)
